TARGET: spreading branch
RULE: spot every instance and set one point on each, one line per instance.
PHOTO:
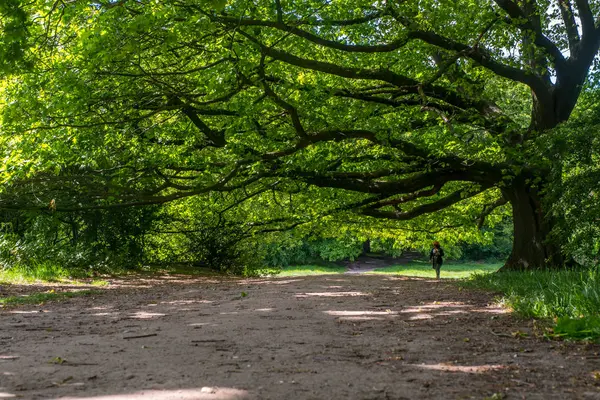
(216, 138)
(488, 209)
(427, 208)
(384, 75)
(293, 112)
(526, 24)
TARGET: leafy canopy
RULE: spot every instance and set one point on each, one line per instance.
(301, 110)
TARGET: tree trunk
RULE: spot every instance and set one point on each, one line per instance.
(366, 247)
(531, 249)
(74, 230)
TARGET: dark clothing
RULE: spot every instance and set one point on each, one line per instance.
(437, 260)
(440, 257)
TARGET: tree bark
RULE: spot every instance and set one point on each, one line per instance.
(531, 247)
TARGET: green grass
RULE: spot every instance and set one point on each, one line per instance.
(450, 270)
(300, 270)
(570, 297)
(41, 272)
(44, 272)
(38, 298)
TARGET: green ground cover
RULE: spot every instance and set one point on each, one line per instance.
(300, 270)
(450, 270)
(571, 298)
(46, 272)
(37, 298)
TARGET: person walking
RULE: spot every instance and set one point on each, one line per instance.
(436, 256)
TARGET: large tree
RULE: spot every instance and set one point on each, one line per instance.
(390, 110)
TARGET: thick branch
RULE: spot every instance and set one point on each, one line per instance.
(487, 210)
(347, 22)
(170, 73)
(482, 57)
(586, 17)
(497, 126)
(405, 199)
(216, 138)
(525, 23)
(409, 184)
(332, 44)
(437, 205)
(384, 75)
(568, 18)
(143, 200)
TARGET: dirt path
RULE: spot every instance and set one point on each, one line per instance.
(369, 263)
(324, 337)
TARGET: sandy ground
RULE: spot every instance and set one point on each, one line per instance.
(326, 337)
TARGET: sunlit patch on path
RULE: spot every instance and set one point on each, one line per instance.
(331, 294)
(205, 393)
(470, 369)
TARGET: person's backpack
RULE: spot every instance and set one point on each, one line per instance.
(437, 256)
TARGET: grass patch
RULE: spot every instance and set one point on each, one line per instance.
(38, 298)
(571, 298)
(300, 270)
(450, 270)
(44, 272)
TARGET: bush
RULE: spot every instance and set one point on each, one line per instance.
(84, 241)
(284, 251)
(224, 247)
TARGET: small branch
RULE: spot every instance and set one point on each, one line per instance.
(500, 334)
(348, 22)
(279, 11)
(487, 210)
(280, 102)
(140, 336)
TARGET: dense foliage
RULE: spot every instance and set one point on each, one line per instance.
(192, 129)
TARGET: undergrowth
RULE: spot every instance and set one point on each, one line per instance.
(45, 272)
(38, 298)
(569, 297)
